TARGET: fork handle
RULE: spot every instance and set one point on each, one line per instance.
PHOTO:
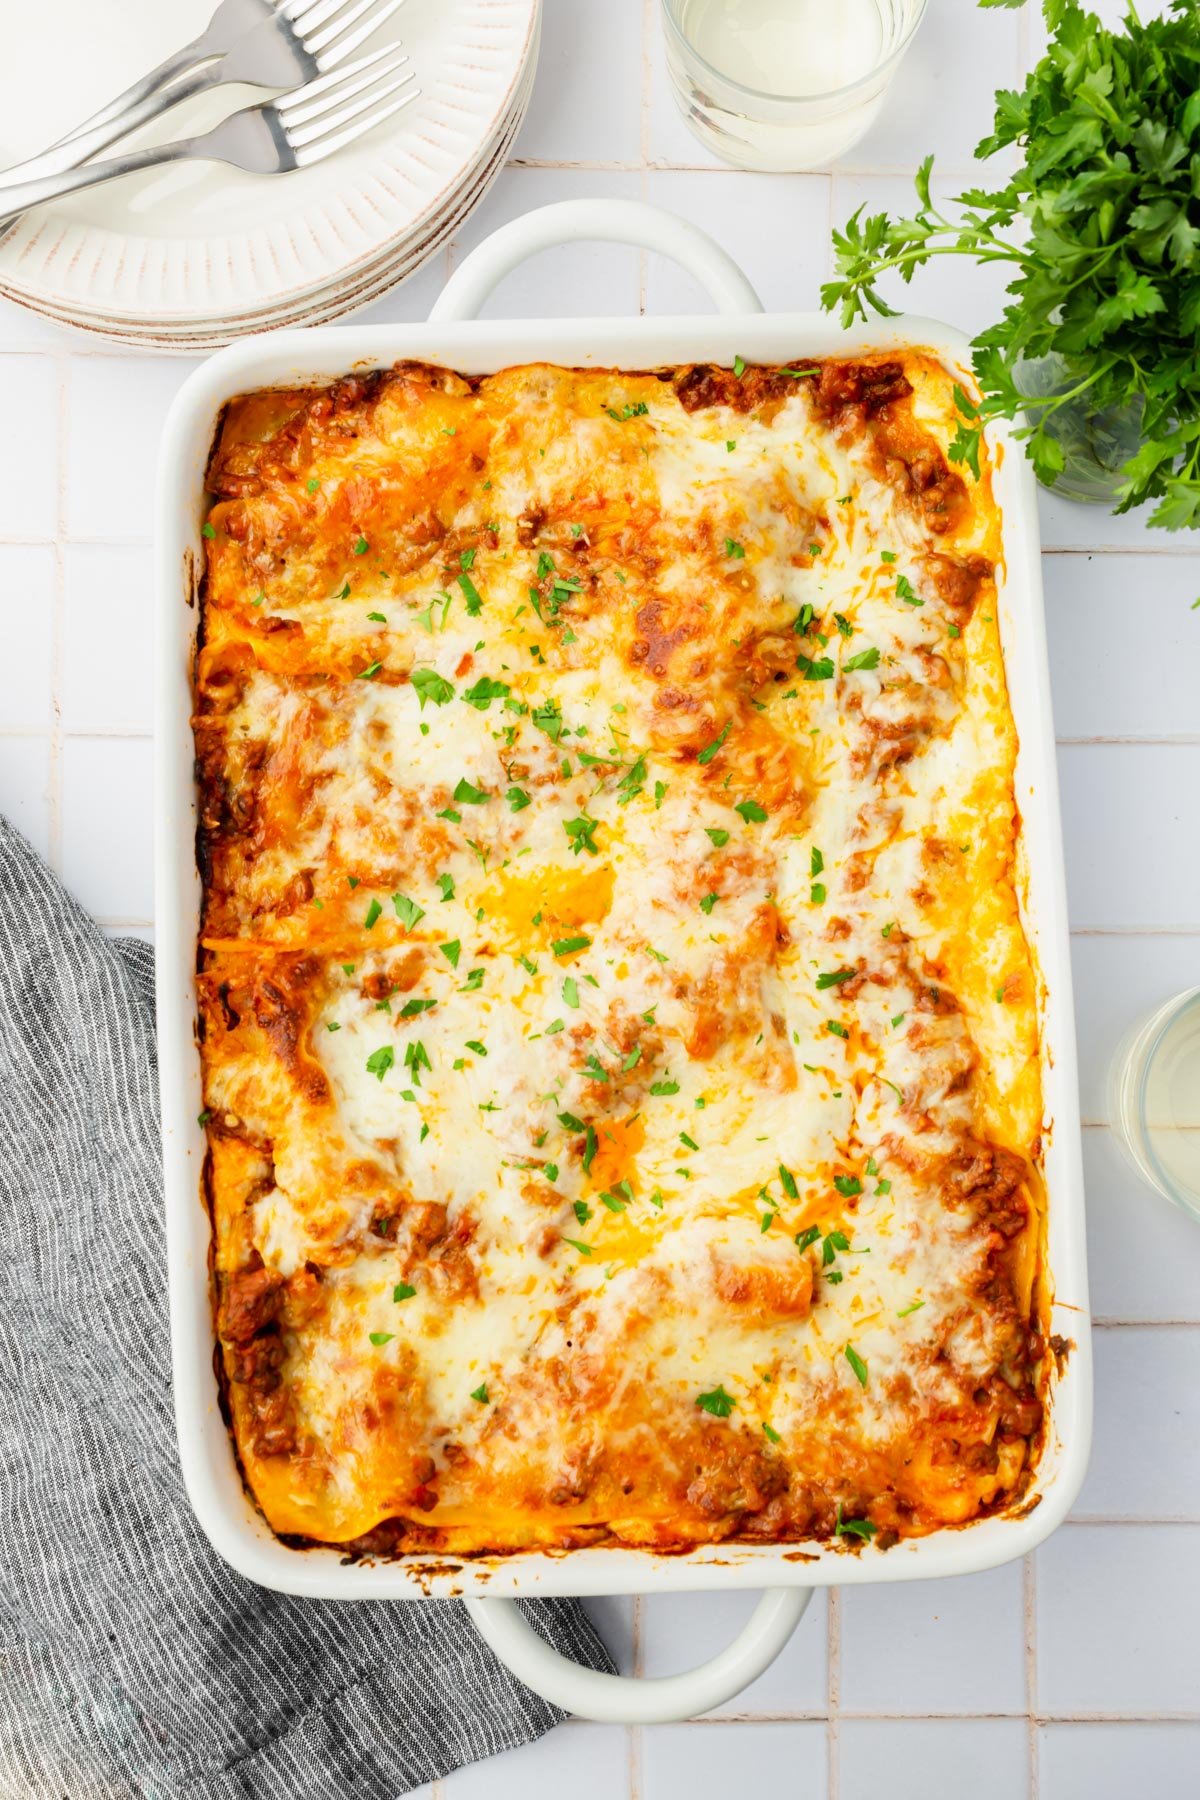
(23, 194)
(147, 99)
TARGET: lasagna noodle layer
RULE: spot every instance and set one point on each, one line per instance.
(620, 1042)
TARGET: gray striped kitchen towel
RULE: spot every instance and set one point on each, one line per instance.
(132, 1661)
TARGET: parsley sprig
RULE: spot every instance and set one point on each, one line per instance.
(1100, 224)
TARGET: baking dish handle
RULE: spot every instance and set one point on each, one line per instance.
(629, 1699)
(609, 221)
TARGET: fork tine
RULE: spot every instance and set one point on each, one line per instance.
(327, 146)
(297, 107)
(317, 12)
(348, 83)
(365, 95)
(337, 39)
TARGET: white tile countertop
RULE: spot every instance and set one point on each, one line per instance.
(1077, 1675)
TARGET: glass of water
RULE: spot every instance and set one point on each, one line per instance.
(1154, 1099)
(784, 84)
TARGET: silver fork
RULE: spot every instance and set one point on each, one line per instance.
(291, 132)
(254, 41)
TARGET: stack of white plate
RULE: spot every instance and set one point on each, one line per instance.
(189, 256)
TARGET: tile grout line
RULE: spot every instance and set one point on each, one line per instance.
(633, 1733)
(58, 626)
(1029, 1603)
(833, 1690)
(644, 141)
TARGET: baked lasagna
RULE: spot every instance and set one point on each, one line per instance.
(620, 1041)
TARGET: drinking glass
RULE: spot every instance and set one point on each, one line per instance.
(784, 84)
(1154, 1099)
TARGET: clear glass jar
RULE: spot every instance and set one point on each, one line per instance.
(1095, 443)
(784, 84)
(1154, 1099)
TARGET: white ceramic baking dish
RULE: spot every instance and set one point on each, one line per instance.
(455, 337)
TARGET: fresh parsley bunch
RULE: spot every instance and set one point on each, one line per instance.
(1102, 224)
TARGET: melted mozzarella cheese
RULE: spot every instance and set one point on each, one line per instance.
(615, 888)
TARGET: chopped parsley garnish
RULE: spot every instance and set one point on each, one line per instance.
(411, 1008)
(451, 951)
(887, 556)
(719, 837)
(905, 1310)
(817, 893)
(446, 884)
(836, 1028)
(843, 624)
(403, 1290)
(361, 547)
(379, 1338)
(833, 1242)
(564, 946)
(815, 669)
(471, 593)
(771, 1434)
(407, 911)
(632, 409)
(432, 686)
(465, 794)
(689, 1142)
(370, 672)
(208, 529)
(583, 1249)
(548, 718)
(518, 799)
(373, 912)
(380, 1061)
(847, 1185)
(734, 549)
(484, 692)
(857, 1364)
(475, 1045)
(751, 811)
(480, 1393)
(416, 1058)
(570, 991)
(377, 618)
(907, 592)
(789, 1182)
(739, 366)
(708, 902)
(859, 1528)
(710, 750)
(589, 1149)
(834, 977)
(806, 1238)
(569, 1122)
(863, 659)
(664, 1087)
(718, 1402)
(581, 835)
(632, 782)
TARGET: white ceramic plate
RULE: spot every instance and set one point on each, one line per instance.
(346, 299)
(185, 248)
(335, 298)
